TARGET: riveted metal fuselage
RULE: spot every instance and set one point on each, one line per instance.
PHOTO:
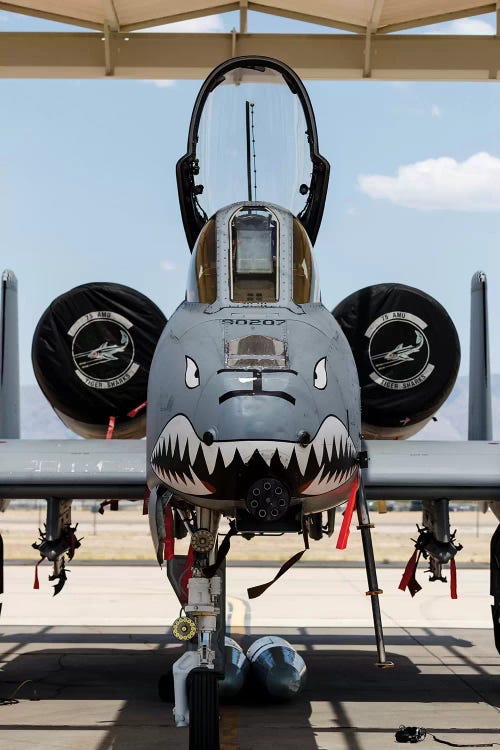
(243, 391)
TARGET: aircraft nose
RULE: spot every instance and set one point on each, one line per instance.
(263, 405)
(255, 380)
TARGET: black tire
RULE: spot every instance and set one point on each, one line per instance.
(203, 710)
(166, 687)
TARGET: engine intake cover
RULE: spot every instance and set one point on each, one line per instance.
(407, 354)
(91, 353)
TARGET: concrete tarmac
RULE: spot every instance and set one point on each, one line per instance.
(93, 655)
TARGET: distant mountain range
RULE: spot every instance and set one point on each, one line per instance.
(452, 417)
(38, 419)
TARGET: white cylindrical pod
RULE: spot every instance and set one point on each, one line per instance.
(277, 666)
(236, 670)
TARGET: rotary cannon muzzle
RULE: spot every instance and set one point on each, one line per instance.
(268, 499)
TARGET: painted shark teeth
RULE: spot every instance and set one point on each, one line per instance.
(302, 455)
(178, 450)
(189, 484)
(210, 457)
(227, 450)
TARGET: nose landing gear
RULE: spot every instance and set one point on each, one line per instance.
(196, 673)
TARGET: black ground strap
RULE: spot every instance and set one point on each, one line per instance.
(256, 591)
(417, 734)
(211, 570)
(454, 744)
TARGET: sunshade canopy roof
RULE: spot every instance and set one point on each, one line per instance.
(370, 51)
(353, 15)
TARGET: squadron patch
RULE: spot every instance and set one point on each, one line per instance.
(103, 349)
(398, 351)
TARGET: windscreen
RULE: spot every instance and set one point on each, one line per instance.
(253, 143)
(256, 353)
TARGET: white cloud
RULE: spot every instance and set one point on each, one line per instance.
(203, 25)
(444, 183)
(471, 26)
(162, 83)
(436, 111)
(167, 265)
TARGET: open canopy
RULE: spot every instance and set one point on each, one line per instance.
(252, 137)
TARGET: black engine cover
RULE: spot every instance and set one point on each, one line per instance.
(407, 354)
(91, 353)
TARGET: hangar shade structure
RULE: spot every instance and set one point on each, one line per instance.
(368, 47)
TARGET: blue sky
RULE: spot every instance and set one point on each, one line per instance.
(87, 185)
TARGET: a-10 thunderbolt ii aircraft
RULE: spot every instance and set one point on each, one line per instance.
(262, 407)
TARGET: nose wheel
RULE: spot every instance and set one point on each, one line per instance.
(203, 699)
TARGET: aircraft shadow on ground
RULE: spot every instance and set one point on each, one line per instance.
(127, 668)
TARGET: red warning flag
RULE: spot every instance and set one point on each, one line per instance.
(346, 522)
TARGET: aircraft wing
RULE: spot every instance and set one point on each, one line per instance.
(409, 470)
(77, 469)
(422, 469)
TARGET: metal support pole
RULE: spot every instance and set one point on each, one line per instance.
(373, 592)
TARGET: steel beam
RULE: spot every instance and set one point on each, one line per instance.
(98, 18)
(192, 56)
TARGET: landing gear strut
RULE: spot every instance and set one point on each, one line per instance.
(202, 627)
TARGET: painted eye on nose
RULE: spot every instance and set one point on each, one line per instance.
(192, 373)
(320, 378)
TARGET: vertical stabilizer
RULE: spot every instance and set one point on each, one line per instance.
(480, 422)
(9, 359)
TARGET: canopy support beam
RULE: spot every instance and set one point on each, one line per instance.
(108, 62)
(371, 29)
(193, 56)
(243, 16)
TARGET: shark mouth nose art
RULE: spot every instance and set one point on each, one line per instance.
(181, 460)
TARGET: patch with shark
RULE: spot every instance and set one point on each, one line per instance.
(103, 349)
(398, 350)
(187, 464)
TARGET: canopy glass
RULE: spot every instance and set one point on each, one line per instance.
(252, 137)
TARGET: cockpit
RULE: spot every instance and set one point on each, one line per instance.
(265, 257)
(254, 259)
(252, 187)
